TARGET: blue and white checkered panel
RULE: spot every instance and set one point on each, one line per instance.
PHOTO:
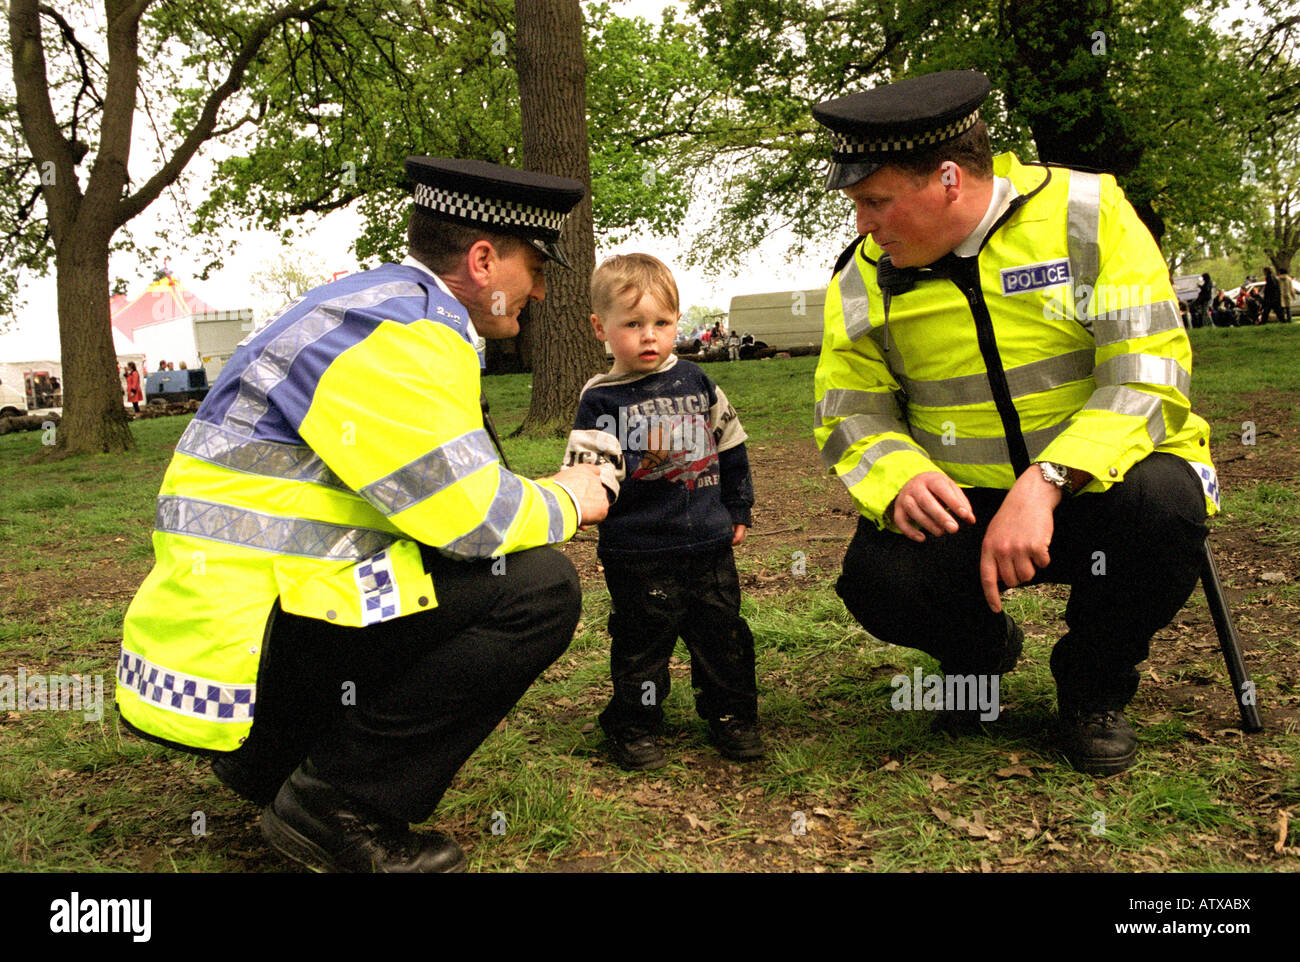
(186, 694)
(487, 210)
(846, 144)
(379, 597)
(1209, 479)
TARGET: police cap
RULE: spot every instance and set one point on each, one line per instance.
(500, 200)
(873, 127)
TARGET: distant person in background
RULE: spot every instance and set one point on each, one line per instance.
(1272, 298)
(1287, 292)
(133, 392)
(1223, 312)
(1251, 305)
(183, 367)
(1201, 306)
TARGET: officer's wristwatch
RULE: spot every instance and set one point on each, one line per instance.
(1057, 474)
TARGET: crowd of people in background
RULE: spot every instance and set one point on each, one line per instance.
(1256, 302)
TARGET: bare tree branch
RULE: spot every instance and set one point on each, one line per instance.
(206, 124)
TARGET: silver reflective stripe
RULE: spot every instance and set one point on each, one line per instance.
(271, 366)
(265, 532)
(1145, 369)
(1126, 400)
(853, 300)
(873, 454)
(430, 473)
(840, 402)
(555, 514)
(1083, 225)
(295, 462)
(486, 540)
(983, 450)
(1032, 378)
(184, 694)
(1132, 322)
(853, 429)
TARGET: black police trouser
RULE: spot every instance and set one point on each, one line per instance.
(653, 601)
(1131, 556)
(389, 713)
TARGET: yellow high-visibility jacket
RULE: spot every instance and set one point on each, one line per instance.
(338, 439)
(1059, 341)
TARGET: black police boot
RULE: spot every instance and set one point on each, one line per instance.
(1098, 741)
(736, 738)
(967, 721)
(320, 828)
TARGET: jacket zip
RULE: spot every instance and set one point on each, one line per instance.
(966, 276)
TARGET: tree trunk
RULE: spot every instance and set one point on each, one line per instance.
(94, 418)
(1058, 82)
(553, 112)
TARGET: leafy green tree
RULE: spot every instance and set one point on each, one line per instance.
(76, 89)
(1141, 88)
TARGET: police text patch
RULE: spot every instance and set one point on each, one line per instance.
(1034, 277)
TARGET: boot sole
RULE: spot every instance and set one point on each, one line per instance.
(1104, 766)
(295, 846)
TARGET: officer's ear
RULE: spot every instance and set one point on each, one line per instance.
(480, 260)
(951, 176)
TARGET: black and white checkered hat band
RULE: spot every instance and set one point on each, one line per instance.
(488, 210)
(849, 145)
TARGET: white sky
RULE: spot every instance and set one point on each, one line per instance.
(35, 333)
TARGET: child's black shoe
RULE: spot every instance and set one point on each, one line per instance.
(636, 750)
(736, 738)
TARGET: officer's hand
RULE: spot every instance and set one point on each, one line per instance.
(925, 502)
(1019, 535)
(584, 481)
(738, 533)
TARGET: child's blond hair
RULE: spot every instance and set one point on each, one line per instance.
(639, 274)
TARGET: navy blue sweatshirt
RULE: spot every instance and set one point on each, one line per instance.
(671, 450)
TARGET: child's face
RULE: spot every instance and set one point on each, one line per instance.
(640, 334)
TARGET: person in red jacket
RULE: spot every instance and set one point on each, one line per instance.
(133, 392)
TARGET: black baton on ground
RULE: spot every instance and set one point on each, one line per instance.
(1242, 687)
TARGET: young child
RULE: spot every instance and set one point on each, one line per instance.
(672, 454)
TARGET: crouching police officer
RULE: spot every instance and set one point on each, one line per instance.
(350, 589)
(1003, 389)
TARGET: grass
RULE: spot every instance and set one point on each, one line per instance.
(848, 782)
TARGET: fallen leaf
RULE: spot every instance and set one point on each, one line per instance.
(1272, 577)
(1282, 817)
(94, 826)
(823, 813)
(890, 766)
(985, 867)
(942, 814)
(588, 728)
(938, 783)
(1014, 771)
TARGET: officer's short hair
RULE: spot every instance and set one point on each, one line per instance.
(441, 244)
(971, 151)
(637, 274)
